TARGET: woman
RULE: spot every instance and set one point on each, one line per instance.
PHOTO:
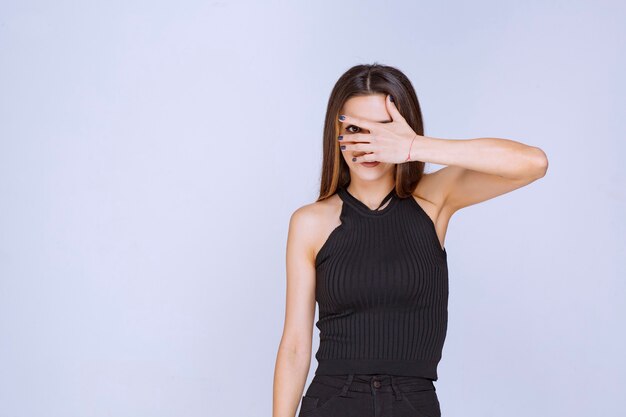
(371, 251)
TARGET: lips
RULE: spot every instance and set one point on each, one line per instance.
(370, 164)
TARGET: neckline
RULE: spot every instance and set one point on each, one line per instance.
(363, 208)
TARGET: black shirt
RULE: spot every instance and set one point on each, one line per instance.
(382, 291)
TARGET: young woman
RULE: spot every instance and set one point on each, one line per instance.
(371, 251)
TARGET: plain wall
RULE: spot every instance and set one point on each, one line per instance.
(151, 154)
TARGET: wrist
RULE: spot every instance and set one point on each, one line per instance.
(420, 145)
(410, 153)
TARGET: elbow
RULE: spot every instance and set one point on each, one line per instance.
(539, 165)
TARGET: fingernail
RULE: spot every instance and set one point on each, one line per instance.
(340, 137)
(353, 159)
(342, 147)
(342, 117)
(391, 98)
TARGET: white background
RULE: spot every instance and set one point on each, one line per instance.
(151, 154)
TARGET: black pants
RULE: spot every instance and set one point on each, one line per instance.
(360, 395)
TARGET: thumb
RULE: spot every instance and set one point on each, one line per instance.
(392, 109)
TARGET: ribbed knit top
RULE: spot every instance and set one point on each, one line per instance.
(382, 291)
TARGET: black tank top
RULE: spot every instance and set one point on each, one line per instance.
(382, 291)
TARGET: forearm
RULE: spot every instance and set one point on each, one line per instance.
(292, 369)
(503, 157)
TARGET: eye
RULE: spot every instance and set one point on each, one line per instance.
(352, 126)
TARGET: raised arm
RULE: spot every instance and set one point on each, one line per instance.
(477, 169)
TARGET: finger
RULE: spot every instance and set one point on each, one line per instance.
(392, 109)
(357, 147)
(356, 137)
(349, 120)
(368, 157)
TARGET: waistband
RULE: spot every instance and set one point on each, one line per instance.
(425, 368)
(376, 382)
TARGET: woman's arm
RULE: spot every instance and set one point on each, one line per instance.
(294, 353)
(477, 169)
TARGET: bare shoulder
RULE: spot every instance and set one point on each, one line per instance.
(430, 193)
(310, 224)
(434, 187)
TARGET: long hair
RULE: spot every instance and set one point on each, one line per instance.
(362, 80)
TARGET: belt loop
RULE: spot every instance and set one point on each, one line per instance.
(346, 386)
(395, 389)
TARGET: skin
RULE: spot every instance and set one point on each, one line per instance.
(475, 170)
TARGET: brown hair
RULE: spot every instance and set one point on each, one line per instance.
(362, 80)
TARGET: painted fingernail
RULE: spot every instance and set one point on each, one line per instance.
(340, 137)
(391, 98)
(353, 159)
(342, 147)
(342, 117)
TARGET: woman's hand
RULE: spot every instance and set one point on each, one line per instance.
(391, 142)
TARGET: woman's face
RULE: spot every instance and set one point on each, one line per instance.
(372, 108)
